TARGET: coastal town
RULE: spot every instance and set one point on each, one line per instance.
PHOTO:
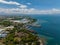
(16, 31)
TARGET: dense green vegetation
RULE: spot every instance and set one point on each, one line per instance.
(6, 23)
(19, 34)
(27, 37)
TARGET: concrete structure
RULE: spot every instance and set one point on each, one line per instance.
(20, 21)
(2, 34)
(3, 31)
(9, 28)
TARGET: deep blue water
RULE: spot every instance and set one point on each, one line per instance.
(50, 26)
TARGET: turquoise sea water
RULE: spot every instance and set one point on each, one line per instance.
(50, 26)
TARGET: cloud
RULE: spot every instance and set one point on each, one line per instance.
(29, 11)
(14, 3)
(23, 6)
(23, 9)
(9, 2)
(29, 3)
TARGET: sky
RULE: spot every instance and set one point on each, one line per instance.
(29, 6)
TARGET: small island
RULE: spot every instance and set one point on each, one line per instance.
(14, 30)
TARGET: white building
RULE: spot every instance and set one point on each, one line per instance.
(9, 28)
(2, 34)
(3, 31)
(20, 21)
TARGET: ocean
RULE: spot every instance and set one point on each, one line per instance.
(50, 27)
